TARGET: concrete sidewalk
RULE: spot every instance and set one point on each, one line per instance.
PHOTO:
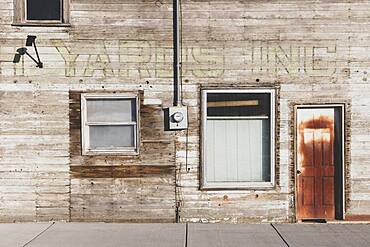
(182, 235)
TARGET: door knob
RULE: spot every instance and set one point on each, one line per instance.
(299, 172)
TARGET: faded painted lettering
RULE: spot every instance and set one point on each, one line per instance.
(153, 59)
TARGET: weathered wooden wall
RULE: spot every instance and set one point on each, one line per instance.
(120, 188)
(34, 171)
(310, 51)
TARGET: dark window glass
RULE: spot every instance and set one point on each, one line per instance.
(238, 104)
(47, 10)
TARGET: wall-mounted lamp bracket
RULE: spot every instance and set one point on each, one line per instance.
(21, 51)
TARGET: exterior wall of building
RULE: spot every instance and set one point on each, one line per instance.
(311, 52)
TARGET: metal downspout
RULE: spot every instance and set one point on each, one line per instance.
(176, 54)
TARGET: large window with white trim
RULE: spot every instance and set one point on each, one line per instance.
(109, 123)
(237, 138)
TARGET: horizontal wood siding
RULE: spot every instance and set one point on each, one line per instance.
(309, 51)
(34, 159)
(123, 188)
(126, 171)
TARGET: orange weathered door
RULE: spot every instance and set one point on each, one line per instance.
(315, 163)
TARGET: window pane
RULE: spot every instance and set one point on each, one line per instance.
(238, 137)
(238, 104)
(43, 9)
(111, 137)
(111, 110)
(238, 151)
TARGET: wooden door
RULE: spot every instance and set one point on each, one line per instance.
(315, 163)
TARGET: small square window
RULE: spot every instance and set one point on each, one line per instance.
(41, 12)
(109, 124)
(238, 142)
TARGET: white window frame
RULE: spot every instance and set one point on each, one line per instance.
(20, 15)
(238, 185)
(85, 136)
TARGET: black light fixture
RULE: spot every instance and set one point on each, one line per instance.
(17, 58)
(21, 51)
(30, 40)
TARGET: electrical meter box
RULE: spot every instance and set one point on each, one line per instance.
(176, 118)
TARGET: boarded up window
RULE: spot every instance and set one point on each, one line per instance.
(109, 124)
(237, 138)
(42, 10)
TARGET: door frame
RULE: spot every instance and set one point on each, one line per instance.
(342, 107)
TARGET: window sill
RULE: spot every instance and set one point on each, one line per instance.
(240, 186)
(41, 24)
(108, 153)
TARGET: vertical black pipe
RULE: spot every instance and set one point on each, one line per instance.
(176, 54)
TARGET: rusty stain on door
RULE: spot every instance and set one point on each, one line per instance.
(315, 163)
